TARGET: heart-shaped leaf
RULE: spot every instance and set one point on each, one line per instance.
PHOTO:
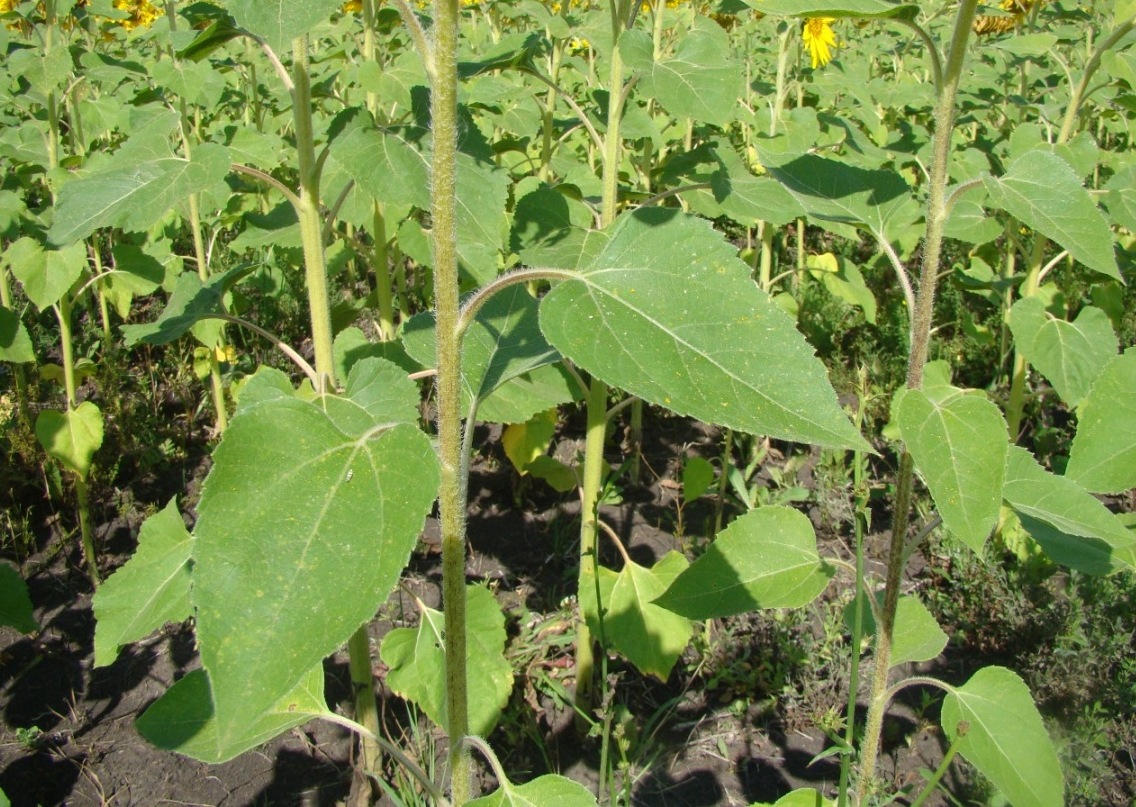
(669, 313)
(72, 437)
(549, 790)
(1103, 456)
(46, 274)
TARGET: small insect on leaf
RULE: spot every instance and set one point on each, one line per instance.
(350, 474)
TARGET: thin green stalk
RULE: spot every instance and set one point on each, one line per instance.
(921, 337)
(17, 369)
(451, 500)
(940, 771)
(362, 684)
(384, 283)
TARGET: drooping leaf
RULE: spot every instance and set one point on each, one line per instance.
(649, 636)
(1043, 192)
(1070, 524)
(184, 719)
(15, 343)
(134, 195)
(1103, 456)
(15, 604)
(767, 558)
(1070, 354)
(524, 442)
(867, 9)
(151, 589)
(278, 22)
(72, 437)
(417, 662)
(699, 81)
(46, 274)
(549, 790)
(302, 531)
(958, 441)
(667, 312)
(829, 190)
(994, 721)
(191, 302)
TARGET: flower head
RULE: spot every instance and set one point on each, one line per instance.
(818, 36)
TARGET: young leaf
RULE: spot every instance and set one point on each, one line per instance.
(765, 559)
(549, 790)
(72, 437)
(958, 441)
(184, 719)
(151, 589)
(1103, 456)
(524, 442)
(697, 477)
(650, 637)
(15, 343)
(802, 797)
(15, 604)
(1043, 192)
(667, 312)
(993, 719)
(1070, 524)
(417, 662)
(867, 9)
(134, 195)
(1070, 354)
(916, 635)
(295, 508)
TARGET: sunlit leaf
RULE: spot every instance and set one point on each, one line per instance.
(73, 436)
(1103, 456)
(837, 8)
(549, 790)
(278, 22)
(1070, 354)
(46, 274)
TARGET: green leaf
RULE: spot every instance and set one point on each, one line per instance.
(151, 589)
(72, 437)
(877, 200)
(699, 81)
(482, 221)
(767, 558)
(15, 344)
(15, 604)
(697, 477)
(1070, 354)
(519, 398)
(385, 165)
(669, 313)
(994, 721)
(1070, 524)
(135, 273)
(417, 662)
(383, 390)
(1103, 456)
(46, 274)
(191, 302)
(303, 529)
(916, 635)
(802, 797)
(649, 636)
(549, 790)
(1043, 192)
(958, 441)
(134, 195)
(278, 22)
(184, 719)
(524, 442)
(880, 9)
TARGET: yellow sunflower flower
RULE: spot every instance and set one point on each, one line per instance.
(819, 38)
(989, 24)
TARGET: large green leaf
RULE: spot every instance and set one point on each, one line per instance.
(767, 558)
(699, 80)
(519, 398)
(190, 302)
(878, 200)
(549, 790)
(837, 8)
(134, 195)
(1043, 192)
(1070, 354)
(650, 637)
(669, 313)
(15, 343)
(482, 222)
(278, 22)
(151, 589)
(417, 662)
(1069, 523)
(46, 274)
(958, 441)
(184, 719)
(994, 721)
(15, 604)
(305, 522)
(385, 165)
(72, 437)
(1103, 457)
